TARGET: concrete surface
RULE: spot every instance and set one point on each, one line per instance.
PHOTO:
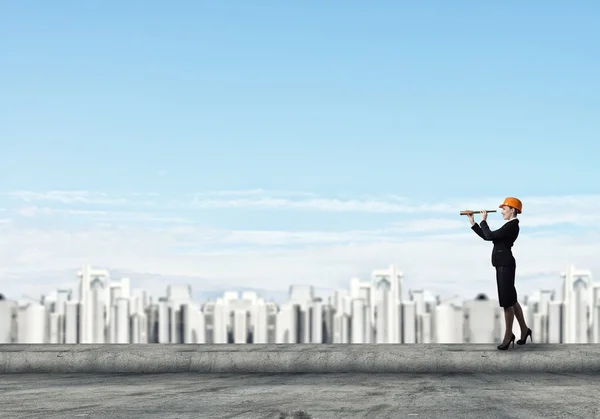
(306, 396)
(240, 359)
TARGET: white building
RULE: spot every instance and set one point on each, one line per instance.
(93, 284)
(239, 319)
(341, 303)
(310, 315)
(359, 321)
(483, 322)
(178, 296)
(32, 324)
(449, 327)
(122, 320)
(364, 292)
(56, 328)
(140, 302)
(194, 324)
(72, 322)
(409, 321)
(8, 321)
(578, 303)
(388, 298)
(288, 320)
(595, 320)
(425, 316)
(539, 312)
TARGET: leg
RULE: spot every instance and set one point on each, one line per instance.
(520, 319)
(507, 296)
(509, 316)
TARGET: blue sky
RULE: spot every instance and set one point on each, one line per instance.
(223, 117)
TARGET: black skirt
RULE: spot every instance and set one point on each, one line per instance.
(505, 280)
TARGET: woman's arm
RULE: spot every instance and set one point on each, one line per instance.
(475, 227)
(503, 232)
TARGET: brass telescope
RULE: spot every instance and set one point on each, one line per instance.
(469, 212)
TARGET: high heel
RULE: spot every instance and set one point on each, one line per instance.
(524, 341)
(505, 346)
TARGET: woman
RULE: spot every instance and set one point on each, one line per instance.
(505, 264)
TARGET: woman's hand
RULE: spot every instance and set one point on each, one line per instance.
(483, 215)
(471, 219)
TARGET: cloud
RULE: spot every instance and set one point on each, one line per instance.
(65, 197)
(33, 211)
(538, 210)
(430, 224)
(79, 197)
(245, 199)
(311, 204)
(252, 193)
(430, 243)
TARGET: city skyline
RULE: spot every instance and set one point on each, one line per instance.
(279, 297)
(380, 309)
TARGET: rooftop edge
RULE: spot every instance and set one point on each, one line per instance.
(298, 358)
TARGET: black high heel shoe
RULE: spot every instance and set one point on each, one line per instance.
(524, 341)
(505, 346)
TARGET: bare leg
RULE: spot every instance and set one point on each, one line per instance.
(509, 316)
(520, 319)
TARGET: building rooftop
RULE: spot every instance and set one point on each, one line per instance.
(304, 358)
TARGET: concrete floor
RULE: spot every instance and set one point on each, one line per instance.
(303, 396)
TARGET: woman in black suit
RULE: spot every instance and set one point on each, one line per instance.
(505, 264)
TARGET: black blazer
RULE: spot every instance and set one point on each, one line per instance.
(503, 240)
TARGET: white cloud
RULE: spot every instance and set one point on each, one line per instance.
(430, 224)
(577, 209)
(79, 197)
(251, 193)
(245, 199)
(574, 218)
(32, 211)
(65, 197)
(311, 204)
(434, 246)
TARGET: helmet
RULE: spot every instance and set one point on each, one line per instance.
(513, 202)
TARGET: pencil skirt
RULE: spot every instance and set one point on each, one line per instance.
(505, 280)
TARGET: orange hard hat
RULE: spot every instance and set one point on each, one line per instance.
(513, 202)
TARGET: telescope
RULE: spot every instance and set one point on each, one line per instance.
(469, 212)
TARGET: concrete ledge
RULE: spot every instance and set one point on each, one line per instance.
(280, 359)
